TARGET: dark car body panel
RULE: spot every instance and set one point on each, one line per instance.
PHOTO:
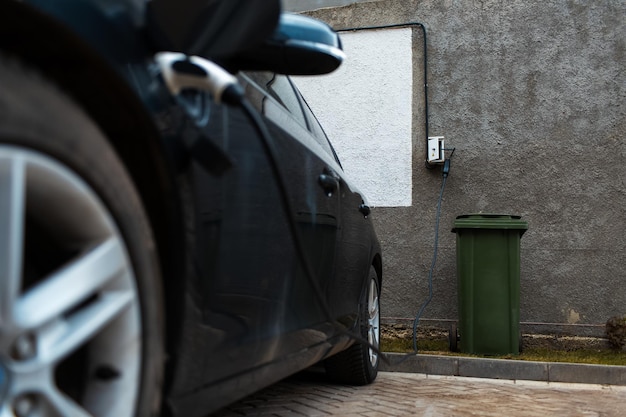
(241, 311)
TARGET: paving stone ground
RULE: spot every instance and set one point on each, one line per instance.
(402, 394)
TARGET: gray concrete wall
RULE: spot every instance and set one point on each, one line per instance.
(302, 5)
(532, 96)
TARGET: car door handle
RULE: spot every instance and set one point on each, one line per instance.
(365, 209)
(329, 183)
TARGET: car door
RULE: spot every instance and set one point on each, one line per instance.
(311, 174)
(351, 240)
(250, 302)
(355, 238)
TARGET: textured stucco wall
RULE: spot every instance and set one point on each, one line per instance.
(532, 96)
(300, 5)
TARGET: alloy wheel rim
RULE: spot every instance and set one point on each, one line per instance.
(70, 319)
(373, 334)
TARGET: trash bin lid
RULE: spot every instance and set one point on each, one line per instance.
(490, 221)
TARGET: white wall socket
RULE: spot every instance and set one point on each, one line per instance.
(436, 152)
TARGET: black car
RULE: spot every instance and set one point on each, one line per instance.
(176, 230)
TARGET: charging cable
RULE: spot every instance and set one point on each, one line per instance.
(445, 171)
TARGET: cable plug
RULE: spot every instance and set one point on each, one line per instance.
(181, 71)
(446, 168)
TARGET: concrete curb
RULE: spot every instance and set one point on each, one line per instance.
(505, 369)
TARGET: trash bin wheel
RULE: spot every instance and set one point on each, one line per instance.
(453, 338)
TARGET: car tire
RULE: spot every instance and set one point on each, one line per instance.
(358, 365)
(81, 326)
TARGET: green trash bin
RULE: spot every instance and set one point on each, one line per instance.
(488, 275)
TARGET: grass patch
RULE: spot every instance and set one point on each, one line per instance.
(402, 345)
(540, 354)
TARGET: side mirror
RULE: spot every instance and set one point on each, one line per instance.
(299, 46)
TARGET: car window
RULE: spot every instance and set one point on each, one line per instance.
(284, 94)
(280, 88)
(318, 131)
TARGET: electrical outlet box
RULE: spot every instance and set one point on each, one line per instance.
(436, 152)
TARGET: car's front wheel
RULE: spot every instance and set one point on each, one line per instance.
(80, 302)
